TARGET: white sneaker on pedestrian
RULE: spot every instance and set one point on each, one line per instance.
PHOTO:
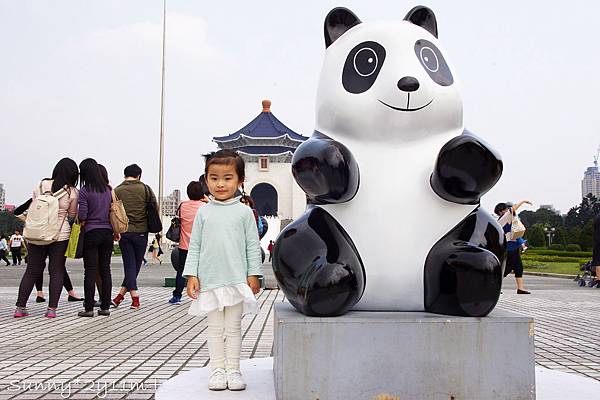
(217, 380)
(235, 381)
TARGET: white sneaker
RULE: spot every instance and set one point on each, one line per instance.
(235, 381)
(217, 380)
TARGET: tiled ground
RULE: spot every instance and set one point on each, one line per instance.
(131, 352)
(117, 354)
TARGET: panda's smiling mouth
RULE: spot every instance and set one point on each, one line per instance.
(405, 109)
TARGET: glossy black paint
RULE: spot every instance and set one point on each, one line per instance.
(317, 265)
(465, 169)
(408, 84)
(433, 62)
(424, 17)
(362, 67)
(464, 269)
(326, 170)
(337, 22)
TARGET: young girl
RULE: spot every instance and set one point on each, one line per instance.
(223, 266)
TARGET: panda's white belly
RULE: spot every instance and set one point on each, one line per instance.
(395, 219)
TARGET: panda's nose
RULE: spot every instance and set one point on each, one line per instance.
(408, 84)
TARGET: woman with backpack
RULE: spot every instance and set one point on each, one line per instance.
(48, 235)
(95, 197)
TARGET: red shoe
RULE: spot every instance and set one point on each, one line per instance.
(136, 302)
(117, 300)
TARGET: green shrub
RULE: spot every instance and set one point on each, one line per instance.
(557, 246)
(573, 247)
(545, 252)
(542, 258)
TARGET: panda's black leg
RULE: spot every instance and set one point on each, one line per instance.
(317, 266)
(463, 270)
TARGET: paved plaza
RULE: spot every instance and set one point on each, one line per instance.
(128, 354)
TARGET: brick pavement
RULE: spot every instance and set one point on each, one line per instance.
(158, 341)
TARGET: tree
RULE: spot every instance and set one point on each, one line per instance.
(8, 223)
(535, 236)
(541, 216)
(586, 239)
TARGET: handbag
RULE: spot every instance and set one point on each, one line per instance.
(153, 216)
(174, 232)
(117, 215)
(517, 228)
(75, 245)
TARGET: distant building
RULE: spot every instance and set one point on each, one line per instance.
(550, 207)
(267, 147)
(591, 182)
(2, 197)
(170, 203)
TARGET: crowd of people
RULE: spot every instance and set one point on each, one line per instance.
(219, 248)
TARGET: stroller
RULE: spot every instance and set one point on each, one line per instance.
(588, 276)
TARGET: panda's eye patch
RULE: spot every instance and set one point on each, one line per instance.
(433, 61)
(362, 66)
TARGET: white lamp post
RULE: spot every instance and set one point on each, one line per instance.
(550, 232)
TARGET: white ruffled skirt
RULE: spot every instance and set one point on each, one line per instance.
(224, 296)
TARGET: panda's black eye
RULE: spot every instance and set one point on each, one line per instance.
(365, 61)
(433, 61)
(429, 59)
(362, 67)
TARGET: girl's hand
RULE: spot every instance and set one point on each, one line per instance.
(254, 284)
(193, 287)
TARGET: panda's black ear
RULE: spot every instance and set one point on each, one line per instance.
(424, 17)
(337, 22)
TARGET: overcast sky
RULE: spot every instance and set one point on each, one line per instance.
(81, 78)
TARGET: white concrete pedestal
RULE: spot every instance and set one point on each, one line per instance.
(258, 372)
(410, 355)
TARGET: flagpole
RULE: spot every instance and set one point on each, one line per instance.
(162, 115)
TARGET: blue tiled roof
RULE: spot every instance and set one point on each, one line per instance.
(266, 125)
(265, 150)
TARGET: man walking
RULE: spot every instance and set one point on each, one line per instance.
(16, 241)
(135, 196)
(270, 249)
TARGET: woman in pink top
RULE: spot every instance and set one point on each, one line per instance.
(65, 175)
(196, 191)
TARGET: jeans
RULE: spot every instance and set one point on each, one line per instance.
(36, 262)
(97, 250)
(179, 279)
(16, 254)
(226, 323)
(133, 247)
(3, 257)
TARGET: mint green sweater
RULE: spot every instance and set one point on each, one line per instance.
(224, 247)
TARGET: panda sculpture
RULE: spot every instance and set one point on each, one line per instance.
(393, 182)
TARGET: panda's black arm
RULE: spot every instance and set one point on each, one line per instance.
(326, 170)
(465, 169)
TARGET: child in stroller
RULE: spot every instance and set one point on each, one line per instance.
(588, 276)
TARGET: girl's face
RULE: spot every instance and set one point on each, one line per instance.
(223, 181)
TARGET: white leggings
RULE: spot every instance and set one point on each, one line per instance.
(228, 324)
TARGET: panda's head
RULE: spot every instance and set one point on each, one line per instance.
(386, 82)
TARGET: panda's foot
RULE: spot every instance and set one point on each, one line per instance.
(463, 272)
(317, 266)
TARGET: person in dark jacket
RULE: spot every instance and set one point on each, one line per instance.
(135, 196)
(596, 245)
